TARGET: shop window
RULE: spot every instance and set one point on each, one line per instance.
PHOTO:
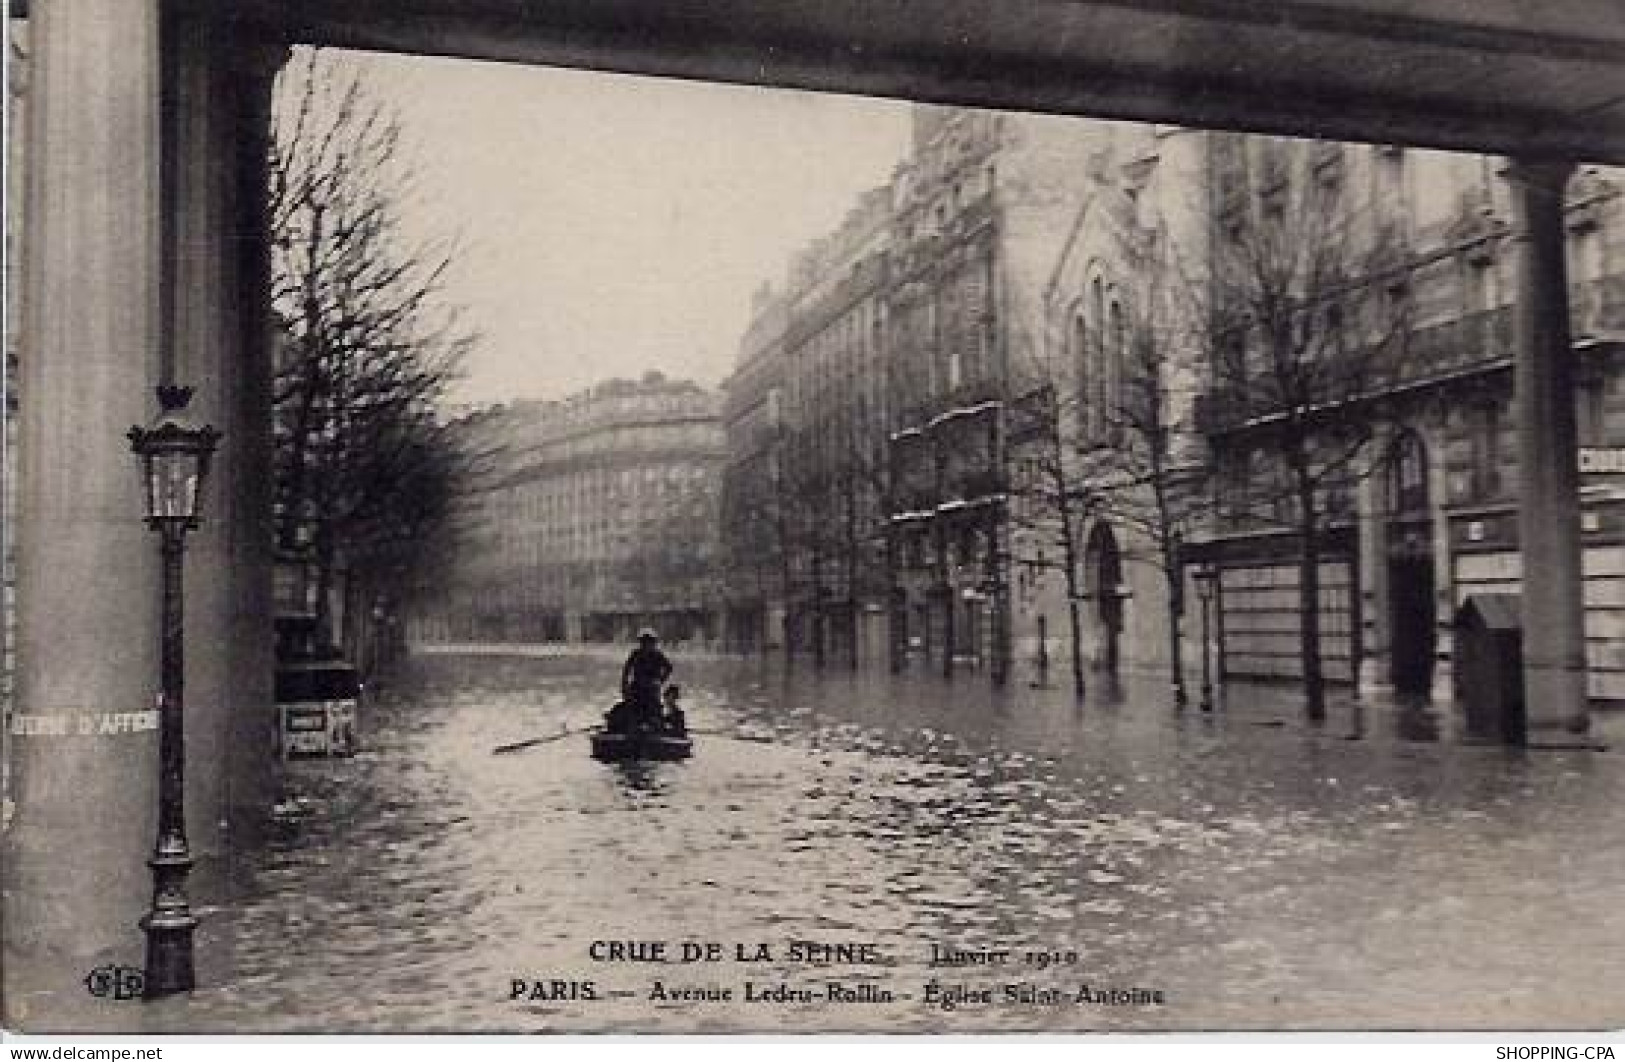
(1112, 396)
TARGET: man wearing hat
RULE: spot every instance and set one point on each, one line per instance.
(642, 676)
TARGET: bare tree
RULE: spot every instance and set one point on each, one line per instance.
(768, 523)
(365, 468)
(1307, 311)
(749, 535)
(853, 522)
(1056, 492)
(806, 510)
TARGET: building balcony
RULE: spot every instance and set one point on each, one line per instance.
(1467, 345)
(1472, 340)
(969, 399)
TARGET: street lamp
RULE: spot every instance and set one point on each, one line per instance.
(1205, 576)
(174, 456)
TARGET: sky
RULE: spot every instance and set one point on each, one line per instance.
(610, 224)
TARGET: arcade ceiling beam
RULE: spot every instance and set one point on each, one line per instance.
(1497, 76)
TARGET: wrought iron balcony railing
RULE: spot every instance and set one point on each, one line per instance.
(1466, 344)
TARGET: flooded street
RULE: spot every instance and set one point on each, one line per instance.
(1248, 876)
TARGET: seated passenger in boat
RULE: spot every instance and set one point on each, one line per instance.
(674, 722)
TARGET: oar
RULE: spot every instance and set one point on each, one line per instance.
(735, 734)
(529, 742)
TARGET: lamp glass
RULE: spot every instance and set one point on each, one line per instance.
(172, 484)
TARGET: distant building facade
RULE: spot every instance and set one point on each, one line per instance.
(866, 417)
(983, 206)
(751, 508)
(805, 415)
(597, 515)
(831, 438)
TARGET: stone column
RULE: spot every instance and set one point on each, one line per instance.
(1442, 693)
(1374, 680)
(216, 289)
(87, 567)
(251, 760)
(1548, 472)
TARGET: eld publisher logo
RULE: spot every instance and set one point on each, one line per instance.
(115, 982)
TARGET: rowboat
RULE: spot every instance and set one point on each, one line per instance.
(615, 746)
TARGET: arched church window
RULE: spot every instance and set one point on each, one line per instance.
(1112, 399)
(1078, 348)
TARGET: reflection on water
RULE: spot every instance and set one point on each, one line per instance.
(639, 776)
(1256, 876)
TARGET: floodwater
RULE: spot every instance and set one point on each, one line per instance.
(1198, 872)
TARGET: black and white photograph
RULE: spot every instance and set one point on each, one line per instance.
(778, 517)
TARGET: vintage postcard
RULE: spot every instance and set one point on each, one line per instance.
(783, 517)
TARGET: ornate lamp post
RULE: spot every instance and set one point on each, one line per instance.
(174, 456)
(1205, 576)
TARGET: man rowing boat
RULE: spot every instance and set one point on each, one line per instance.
(642, 676)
